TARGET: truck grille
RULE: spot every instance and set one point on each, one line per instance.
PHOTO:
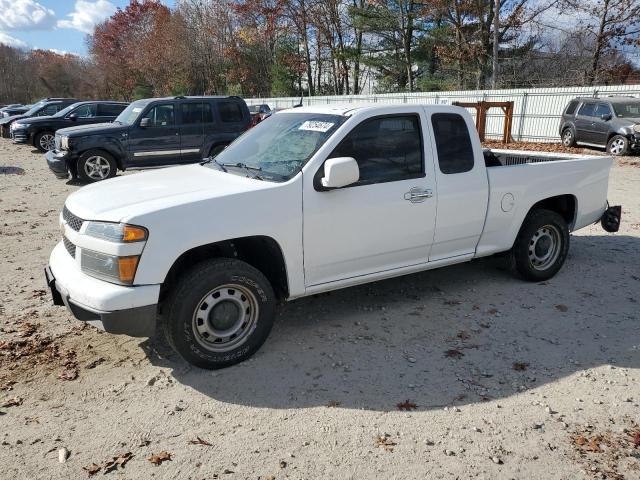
(73, 221)
(71, 248)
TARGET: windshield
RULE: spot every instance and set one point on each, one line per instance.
(254, 108)
(629, 109)
(130, 114)
(65, 111)
(34, 109)
(280, 146)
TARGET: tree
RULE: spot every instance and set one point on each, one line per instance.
(611, 23)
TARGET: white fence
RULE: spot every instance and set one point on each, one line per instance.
(536, 115)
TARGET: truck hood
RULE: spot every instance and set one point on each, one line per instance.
(36, 120)
(130, 196)
(93, 129)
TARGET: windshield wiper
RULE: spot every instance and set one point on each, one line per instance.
(213, 159)
(243, 166)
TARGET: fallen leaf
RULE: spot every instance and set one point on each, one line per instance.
(562, 308)
(333, 404)
(636, 439)
(385, 442)
(406, 405)
(453, 353)
(520, 366)
(580, 440)
(92, 469)
(200, 441)
(115, 462)
(12, 402)
(68, 374)
(157, 459)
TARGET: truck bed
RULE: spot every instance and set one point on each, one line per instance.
(503, 158)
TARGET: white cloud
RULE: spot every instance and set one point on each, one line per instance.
(11, 41)
(25, 15)
(87, 14)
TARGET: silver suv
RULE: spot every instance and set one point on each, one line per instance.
(611, 122)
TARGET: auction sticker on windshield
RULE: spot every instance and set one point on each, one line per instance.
(316, 126)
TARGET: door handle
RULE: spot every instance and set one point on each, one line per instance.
(416, 195)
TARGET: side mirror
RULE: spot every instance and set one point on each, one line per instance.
(73, 116)
(144, 123)
(606, 117)
(340, 172)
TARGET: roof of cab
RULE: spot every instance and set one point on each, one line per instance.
(350, 108)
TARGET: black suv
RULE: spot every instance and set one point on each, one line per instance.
(150, 133)
(40, 131)
(45, 107)
(611, 122)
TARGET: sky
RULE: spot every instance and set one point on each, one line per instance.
(57, 25)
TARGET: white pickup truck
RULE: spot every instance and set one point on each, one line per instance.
(311, 200)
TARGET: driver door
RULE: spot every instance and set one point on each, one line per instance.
(159, 142)
(385, 220)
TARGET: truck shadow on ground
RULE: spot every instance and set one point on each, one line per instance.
(452, 336)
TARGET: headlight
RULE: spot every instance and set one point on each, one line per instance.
(16, 125)
(64, 142)
(116, 232)
(636, 128)
(109, 267)
(112, 268)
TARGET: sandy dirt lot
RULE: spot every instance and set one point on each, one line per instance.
(463, 372)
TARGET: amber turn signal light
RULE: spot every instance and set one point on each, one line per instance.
(127, 267)
(133, 234)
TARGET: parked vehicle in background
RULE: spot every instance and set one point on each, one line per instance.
(312, 200)
(13, 109)
(150, 133)
(40, 131)
(611, 122)
(43, 108)
(259, 113)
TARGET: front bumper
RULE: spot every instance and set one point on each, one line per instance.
(113, 308)
(20, 136)
(57, 162)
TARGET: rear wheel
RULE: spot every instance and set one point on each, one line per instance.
(45, 141)
(618, 145)
(568, 138)
(541, 246)
(96, 165)
(219, 313)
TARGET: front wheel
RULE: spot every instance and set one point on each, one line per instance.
(219, 313)
(541, 246)
(618, 145)
(96, 165)
(45, 141)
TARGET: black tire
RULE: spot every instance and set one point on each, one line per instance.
(41, 138)
(108, 168)
(5, 131)
(568, 138)
(539, 229)
(194, 296)
(618, 145)
(216, 149)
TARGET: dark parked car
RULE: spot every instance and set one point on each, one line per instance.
(40, 131)
(13, 109)
(150, 133)
(611, 122)
(43, 108)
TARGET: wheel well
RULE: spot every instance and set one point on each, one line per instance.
(564, 205)
(261, 252)
(116, 158)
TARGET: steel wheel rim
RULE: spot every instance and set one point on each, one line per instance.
(567, 138)
(225, 318)
(47, 142)
(544, 247)
(97, 167)
(617, 146)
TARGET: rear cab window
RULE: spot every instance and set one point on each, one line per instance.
(453, 143)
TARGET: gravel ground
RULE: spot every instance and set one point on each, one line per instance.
(463, 372)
